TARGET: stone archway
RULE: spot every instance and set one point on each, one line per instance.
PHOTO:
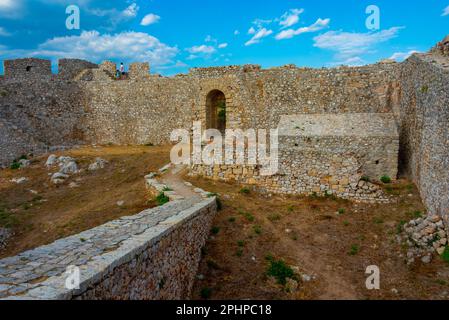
(216, 110)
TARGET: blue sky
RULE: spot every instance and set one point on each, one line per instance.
(175, 35)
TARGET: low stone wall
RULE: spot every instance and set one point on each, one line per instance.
(150, 256)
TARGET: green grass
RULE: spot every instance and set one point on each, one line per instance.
(162, 199)
(445, 255)
(206, 293)
(378, 220)
(354, 250)
(7, 219)
(248, 216)
(217, 199)
(400, 226)
(212, 264)
(385, 179)
(274, 217)
(15, 165)
(341, 211)
(424, 89)
(257, 229)
(241, 243)
(365, 178)
(215, 230)
(346, 223)
(239, 252)
(245, 190)
(280, 270)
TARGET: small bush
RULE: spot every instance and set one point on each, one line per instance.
(215, 230)
(424, 89)
(365, 178)
(162, 199)
(257, 229)
(280, 270)
(445, 254)
(217, 199)
(239, 252)
(354, 250)
(346, 223)
(341, 211)
(378, 220)
(231, 219)
(385, 179)
(212, 264)
(248, 216)
(241, 243)
(206, 293)
(245, 190)
(15, 165)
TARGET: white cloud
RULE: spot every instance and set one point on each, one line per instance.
(401, 56)
(4, 33)
(204, 49)
(258, 36)
(131, 11)
(251, 30)
(446, 11)
(290, 18)
(320, 24)
(150, 19)
(236, 32)
(348, 45)
(222, 45)
(96, 47)
(11, 8)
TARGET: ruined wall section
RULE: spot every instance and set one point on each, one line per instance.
(49, 111)
(424, 135)
(258, 98)
(138, 112)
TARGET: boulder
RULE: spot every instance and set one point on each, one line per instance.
(51, 161)
(68, 167)
(98, 164)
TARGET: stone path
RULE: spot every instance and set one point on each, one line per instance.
(27, 270)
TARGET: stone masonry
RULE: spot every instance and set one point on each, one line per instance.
(92, 107)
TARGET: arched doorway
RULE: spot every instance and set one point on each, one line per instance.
(216, 110)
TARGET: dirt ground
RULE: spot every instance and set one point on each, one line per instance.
(39, 212)
(333, 241)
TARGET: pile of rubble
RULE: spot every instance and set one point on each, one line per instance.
(425, 237)
(68, 165)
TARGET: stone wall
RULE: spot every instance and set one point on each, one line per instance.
(150, 256)
(424, 122)
(48, 112)
(70, 68)
(27, 68)
(325, 154)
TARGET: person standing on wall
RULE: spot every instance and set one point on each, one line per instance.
(122, 68)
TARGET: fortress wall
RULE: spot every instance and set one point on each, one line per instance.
(424, 135)
(49, 111)
(258, 98)
(138, 112)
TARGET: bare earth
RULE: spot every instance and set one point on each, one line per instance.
(308, 234)
(57, 211)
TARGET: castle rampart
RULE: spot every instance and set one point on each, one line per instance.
(95, 108)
